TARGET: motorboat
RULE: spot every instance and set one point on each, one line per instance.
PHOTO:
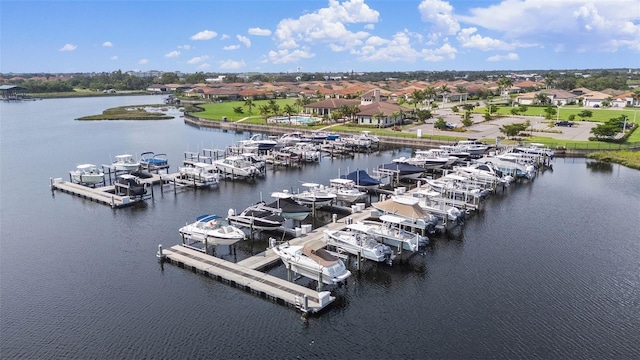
(357, 241)
(292, 138)
(475, 148)
(484, 172)
(362, 179)
(311, 260)
(345, 190)
(536, 148)
(306, 151)
(315, 195)
(200, 172)
(431, 159)
(236, 166)
(125, 162)
(88, 174)
(456, 151)
(402, 170)
(432, 202)
(414, 217)
(153, 160)
(256, 217)
(286, 207)
(509, 167)
(391, 229)
(129, 185)
(212, 229)
(261, 142)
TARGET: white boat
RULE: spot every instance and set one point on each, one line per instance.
(236, 166)
(261, 142)
(87, 174)
(130, 185)
(415, 218)
(473, 147)
(391, 231)
(292, 138)
(306, 151)
(345, 190)
(315, 195)
(212, 229)
(256, 217)
(431, 159)
(200, 172)
(125, 162)
(287, 207)
(312, 261)
(355, 240)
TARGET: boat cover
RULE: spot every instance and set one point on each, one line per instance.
(288, 206)
(361, 178)
(402, 168)
(409, 211)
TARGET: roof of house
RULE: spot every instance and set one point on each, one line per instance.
(386, 108)
(332, 103)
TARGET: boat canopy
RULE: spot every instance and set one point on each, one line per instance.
(205, 218)
(361, 178)
(408, 211)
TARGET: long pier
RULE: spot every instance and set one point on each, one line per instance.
(245, 274)
(103, 194)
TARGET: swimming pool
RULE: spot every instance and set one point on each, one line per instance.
(295, 119)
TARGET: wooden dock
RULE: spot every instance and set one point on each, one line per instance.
(245, 274)
(103, 194)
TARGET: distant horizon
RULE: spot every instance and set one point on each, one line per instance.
(318, 36)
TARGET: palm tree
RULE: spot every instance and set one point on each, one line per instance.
(265, 111)
(378, 116)
(504, 84)
(429, 94)
(288, 109)
(444, 91)
(248, 102)
(636, 97)
(273, 105)
(541, 98)
(417, 96)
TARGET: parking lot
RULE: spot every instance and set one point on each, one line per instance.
(580, 131)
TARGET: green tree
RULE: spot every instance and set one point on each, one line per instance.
(441, 123)
(248, 102)
(423, 115)
(455, 109)
(466, 119)
(585, 114)
(289, 110)
(169, 78)
(238, 110)
(549, 112)
(512, 130)
(265, 111)
(378, 116)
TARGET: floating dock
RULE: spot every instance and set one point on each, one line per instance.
(245, 274)
(103, 194)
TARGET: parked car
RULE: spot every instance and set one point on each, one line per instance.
(596, 106)
(564, 123)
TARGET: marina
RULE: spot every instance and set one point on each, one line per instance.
(540, 270)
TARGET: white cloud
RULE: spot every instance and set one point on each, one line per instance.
(509, 56)
(245, 40)
(203, 66)
(326, 25)
(592, 25)
(172, 54)
(107, 44)
(469, 39)
(231, 47)
(370, 26)
(224, 37)
(231, 64)
(259, 32)
(284, 56)
(143, 61)
(444, 52)
(184, 47)
(114, 57)
(198, 59)
(204, 35)
(397, 49)
(68, 47)
(440, 14)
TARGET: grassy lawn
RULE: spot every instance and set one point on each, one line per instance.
(599, 115)
(627, 158)
(216, 111)
(129, 113)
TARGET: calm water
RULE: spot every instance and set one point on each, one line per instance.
(548, 270)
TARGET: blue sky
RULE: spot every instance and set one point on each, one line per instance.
(318, 36)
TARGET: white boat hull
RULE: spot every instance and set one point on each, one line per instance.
(306, 267)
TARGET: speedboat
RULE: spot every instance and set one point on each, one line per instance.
(431, 159)
(313, 261)
(362, 180)
(315, 195)
(151, 159)
(391, 230)
(414, 217)
(355, 240)
(402, 170)
(256, 217)
(345, 190)
(125, 162)
(474, 147)
(287, 207)
(201, 172)
(87, 174)
(262, 143)
(129, 185)
(213, 229)
(236, 166)
(292, 138)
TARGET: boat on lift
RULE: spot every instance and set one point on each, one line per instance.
(313, 261)
(357, 241)
(212, 229)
